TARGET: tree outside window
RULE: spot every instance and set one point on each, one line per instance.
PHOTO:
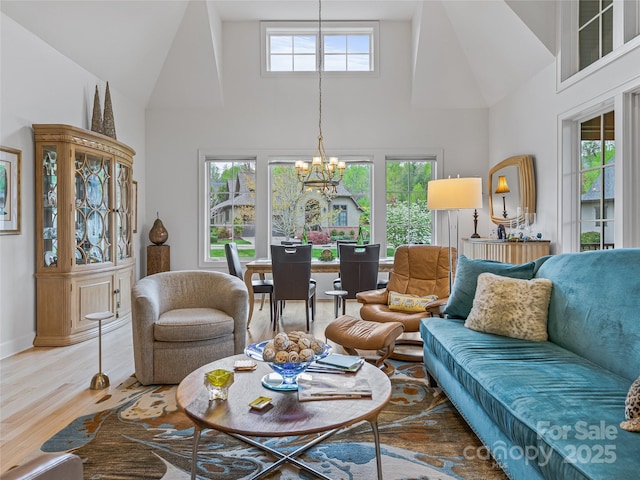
(231, 206)
(326, 219)
(408, 219)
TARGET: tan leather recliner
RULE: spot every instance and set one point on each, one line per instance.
(417, 270)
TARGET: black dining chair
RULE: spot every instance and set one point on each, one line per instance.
(358, 271)
(261, 286)
(291, 270)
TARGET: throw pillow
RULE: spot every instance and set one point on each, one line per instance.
(632, 408)
(464, 286)
(511, 307)
(409, 303)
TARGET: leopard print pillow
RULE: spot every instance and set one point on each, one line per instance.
(511, 307)
(632, 408)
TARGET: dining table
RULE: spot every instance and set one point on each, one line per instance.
(262, 266)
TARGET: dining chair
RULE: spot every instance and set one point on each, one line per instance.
(358, 271)
(259, 286)
(291, 270)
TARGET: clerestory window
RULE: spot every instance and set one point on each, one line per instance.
(295, 46)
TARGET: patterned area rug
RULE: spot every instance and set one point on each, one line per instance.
(137, 432)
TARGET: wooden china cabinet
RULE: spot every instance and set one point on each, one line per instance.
(84, 239)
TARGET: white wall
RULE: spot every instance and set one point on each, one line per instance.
(263, 116)
(527, 122)
(39, 85)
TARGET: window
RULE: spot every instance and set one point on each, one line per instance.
(325, 218)
(230, 185)
(294, 46)
(408, 220)
(597, 180)
(592, 30)
(340, 212)
(595, 30)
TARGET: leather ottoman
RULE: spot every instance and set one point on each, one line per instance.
(355, 334)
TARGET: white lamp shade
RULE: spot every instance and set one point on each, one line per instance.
(454, 193)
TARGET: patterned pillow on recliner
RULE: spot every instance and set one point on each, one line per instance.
(410, 303)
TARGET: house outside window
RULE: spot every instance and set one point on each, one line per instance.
(597, 180)
(408, 219)
(295, 47)
(326, 218)
(231, 206)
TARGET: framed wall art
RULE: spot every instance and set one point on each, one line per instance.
(10, 160)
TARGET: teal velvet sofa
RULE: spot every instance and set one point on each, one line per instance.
(552, 409)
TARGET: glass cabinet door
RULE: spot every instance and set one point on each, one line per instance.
(50, 203)
(123, 211)
(92, 219)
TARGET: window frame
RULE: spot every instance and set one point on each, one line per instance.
(601, 220)
(626, 37)
(351, 159)
(426, 158)
(204, 225)
(311, 28)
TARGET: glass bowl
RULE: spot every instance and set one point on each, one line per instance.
(285, 375)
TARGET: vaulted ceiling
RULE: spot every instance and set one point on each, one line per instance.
(465, 53)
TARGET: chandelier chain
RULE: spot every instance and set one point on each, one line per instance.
(320, 66)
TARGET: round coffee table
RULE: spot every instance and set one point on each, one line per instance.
(287, 416)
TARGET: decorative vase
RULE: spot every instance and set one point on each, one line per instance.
(96, 120)
(158, 234)
(108, 123)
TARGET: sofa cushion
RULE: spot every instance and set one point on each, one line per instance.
(559, 407)
(594, 307)
(404, 302)
(192, 325)
(511, 307)
(464, 286)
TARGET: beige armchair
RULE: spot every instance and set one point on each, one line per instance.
(185, 319)
(417, 270)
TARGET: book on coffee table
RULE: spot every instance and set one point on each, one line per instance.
(331, 387)
(316, 367)
(341, 361)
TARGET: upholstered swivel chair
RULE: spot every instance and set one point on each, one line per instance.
(291, 270)
(417, 270)
(235, 268)
(183, 320)
(358, 271)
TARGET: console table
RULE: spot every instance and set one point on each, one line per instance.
(505, 251)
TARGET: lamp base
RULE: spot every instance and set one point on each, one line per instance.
(99, 381)
(475, 224)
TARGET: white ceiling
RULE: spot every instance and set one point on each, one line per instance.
(483, 48)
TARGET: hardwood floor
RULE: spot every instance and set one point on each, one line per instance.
(44, 388)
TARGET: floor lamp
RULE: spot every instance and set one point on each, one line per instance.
(454, 194)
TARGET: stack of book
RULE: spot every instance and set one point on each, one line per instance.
(330, 387)
(336, 363)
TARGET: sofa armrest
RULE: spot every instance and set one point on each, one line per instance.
(380, 296)
(145, 310)
(48, 466)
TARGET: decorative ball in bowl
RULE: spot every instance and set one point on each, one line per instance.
(288, 355)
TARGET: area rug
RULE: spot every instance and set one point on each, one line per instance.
(137, 432)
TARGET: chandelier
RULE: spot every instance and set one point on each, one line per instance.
(322, 175)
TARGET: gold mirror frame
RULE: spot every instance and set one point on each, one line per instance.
(526, 186)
